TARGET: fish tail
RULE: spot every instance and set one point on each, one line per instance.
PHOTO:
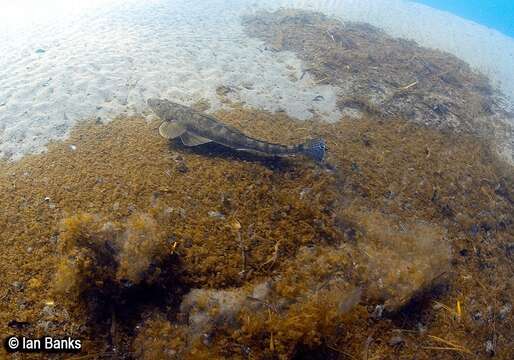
(314, 149)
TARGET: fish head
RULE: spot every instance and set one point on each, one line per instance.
(167, 110)
(158, 106)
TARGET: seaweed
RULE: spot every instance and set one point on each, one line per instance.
(108, 257)
(381, 75)
(260, 261)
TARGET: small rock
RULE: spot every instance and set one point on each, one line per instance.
(48, 311)
(504, 311)
(437, 306)
(73, 147)
(182, 168)
(247, 85)
(177, 157)
(477, 316)
(46, 325)
(54, 239)
(502, 190)
(216, 215)
(21, 304)
(396, 341)
(446, 210)
(509, 251)
(486, 227)
(389, 194)
(261, 291)
(18, 286)
(489, 348)
(247, 352)
(474, 229)
(16, 324)
(207, 339)
(440, 109)
(421, 328)
(181, 212)
(172, 353)
(304, 192)
(29, 249)
(377, 313)
(223, 90)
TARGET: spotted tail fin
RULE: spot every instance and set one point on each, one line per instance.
(315, 149)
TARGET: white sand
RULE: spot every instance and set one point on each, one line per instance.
(107, 57)
(110, 60)
(486, 50)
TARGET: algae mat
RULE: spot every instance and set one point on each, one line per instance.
(145, 249)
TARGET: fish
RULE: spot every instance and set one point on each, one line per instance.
(196, 128)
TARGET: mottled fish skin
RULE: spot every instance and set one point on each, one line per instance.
(207, 126)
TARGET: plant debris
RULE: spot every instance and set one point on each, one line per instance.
(381, 75)
(399, 247)
(135, 251)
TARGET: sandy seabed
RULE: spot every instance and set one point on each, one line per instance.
(400, 246)
(108, 59)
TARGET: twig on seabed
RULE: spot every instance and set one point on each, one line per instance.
(236, 226)
(243, 252)
(450, 346)
(332, 36)
(273, 257)
(320, 81)
(406, 87)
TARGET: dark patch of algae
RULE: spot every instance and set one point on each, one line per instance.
(107, 241)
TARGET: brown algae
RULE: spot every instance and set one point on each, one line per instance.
(108, 239)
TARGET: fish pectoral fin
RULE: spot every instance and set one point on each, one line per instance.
(189, 139)
(171, 130)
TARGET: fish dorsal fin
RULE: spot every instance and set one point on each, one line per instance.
(189, 139)
(171, 130)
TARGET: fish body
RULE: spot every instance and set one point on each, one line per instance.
(196, 128)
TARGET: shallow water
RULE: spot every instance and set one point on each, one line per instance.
(496, 14)
(397, 245)
(63, 63)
